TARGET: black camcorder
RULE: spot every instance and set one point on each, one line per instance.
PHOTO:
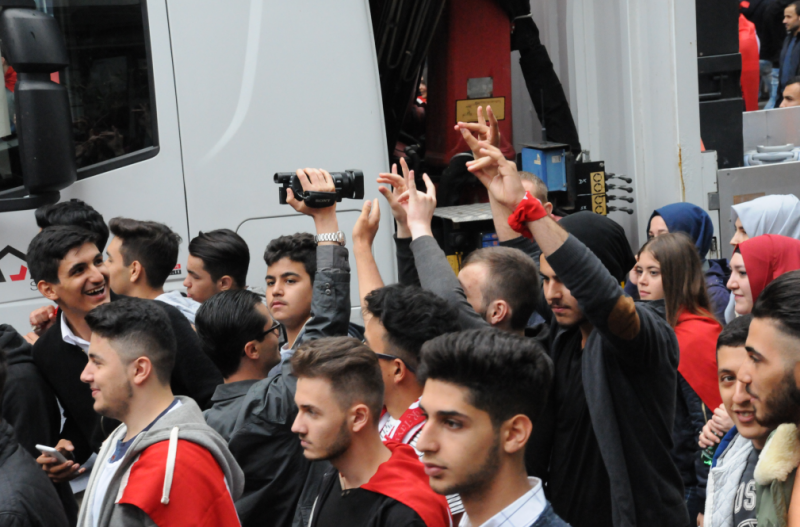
(349, 184)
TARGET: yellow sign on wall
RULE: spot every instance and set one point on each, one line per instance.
(467, 109)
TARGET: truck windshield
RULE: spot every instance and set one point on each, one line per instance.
(109, 82)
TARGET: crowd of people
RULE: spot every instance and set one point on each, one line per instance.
(557, 379)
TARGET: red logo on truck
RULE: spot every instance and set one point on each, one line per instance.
(23, 271)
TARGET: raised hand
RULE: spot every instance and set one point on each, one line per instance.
(479, 130)
(419, 206)
(42, 318)
(391, 195)
(366, 226)
(495, 172)
(316, 180)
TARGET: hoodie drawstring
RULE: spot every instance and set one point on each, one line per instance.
(171, 454)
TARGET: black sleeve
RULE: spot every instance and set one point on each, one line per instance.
(30, 407)
(194, 374)
(12, 519)
(406, 268)
(400, 515)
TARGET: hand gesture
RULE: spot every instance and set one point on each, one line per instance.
(64, 471)
(489, 134)
(42, 318)
(366, 226)
(498, 175)
(399, 184)
(316, 180)
(419, 206)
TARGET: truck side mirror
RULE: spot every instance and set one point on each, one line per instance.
(33, 44)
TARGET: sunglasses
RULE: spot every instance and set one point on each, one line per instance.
(384, 356)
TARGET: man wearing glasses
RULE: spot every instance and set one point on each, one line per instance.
(252, 410)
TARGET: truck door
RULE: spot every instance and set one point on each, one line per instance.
(122, 100)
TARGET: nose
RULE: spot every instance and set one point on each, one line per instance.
(187, 283)
(732, 283)
(551, 290)
(297, 426)
(87, 374)
(425, 441)
(96, 273)
(740, 395)
(745, 374)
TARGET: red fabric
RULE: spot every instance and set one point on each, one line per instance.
(751, 74)
(403, 479)
(529, 209)
(697, 340)
(198, 497)
(11, 78)
(767, 257)
(410, 418)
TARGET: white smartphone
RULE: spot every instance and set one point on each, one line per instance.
(50, 451)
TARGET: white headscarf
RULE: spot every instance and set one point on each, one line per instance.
(776, 214)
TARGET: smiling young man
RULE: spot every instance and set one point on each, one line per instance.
(163, 465)
(484, 391)
(218, 261)
(339, 397)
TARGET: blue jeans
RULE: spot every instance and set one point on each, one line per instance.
(695, 504)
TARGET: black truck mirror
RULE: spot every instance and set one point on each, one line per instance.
(33, 44)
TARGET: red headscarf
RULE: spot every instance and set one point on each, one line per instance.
(767, 257)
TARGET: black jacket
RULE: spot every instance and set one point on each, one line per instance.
(794, 63)
(689, 422)
(61, 365)
(27, 498)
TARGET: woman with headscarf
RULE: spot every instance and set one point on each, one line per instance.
(669, 269)
(694, 221)
(777, 214)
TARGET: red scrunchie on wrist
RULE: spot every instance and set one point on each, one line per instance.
(529, 209)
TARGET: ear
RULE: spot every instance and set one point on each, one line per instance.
(251, 350)
(548, 207)
(515, 433)
(137, 272)
(359, 415)
(499, 311)
(399, 371)
(225, 283)
(47, 290)
(142, 370)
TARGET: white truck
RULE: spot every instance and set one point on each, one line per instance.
(184, 110)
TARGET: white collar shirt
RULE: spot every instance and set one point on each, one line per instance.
(71, 338)
(522, 513)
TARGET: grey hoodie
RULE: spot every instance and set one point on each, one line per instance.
(184, 422)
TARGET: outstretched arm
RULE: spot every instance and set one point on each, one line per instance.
(406, 268)
(369, 277)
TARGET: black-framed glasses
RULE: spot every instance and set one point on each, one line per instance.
(385, 356)
(275, 325)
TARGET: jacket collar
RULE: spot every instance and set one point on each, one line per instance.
(781, 455)
(231, 391)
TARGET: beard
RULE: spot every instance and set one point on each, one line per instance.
(476, 482)
(117, 403)
(782, 405)
(340, 445)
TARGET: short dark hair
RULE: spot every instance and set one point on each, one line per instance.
(75, 213)
(411, 317)
(796, 7)
(223, 253)
(506, 374)
(139, 327)
(539, 185)
(50, 246)
(152, 244)
(225, 323)
(299, 247)
(795, 79)
(513, 278)
(734, 335)
(780, 302)
(350, 367)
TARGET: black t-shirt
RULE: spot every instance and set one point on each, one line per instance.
(359, 507)
(579, 488)
(744, 507)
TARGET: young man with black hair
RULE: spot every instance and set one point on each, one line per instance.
(27, 498)
(484, 391)
(218, 261)
(163, 465)
(69, 270)
(308, 276)
(604, 442)
(769, 377)
(339, 397)
(251, 412)
(140, 258)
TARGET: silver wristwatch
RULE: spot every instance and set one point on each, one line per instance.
(336, 237)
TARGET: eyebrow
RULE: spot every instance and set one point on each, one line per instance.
(285, 275)
(725, 370)
(751, 349)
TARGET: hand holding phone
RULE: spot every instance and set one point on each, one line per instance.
(52, 452)
(57, 462)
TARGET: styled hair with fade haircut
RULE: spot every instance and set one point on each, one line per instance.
(74, 213)
(50, 246)
(225, 323)
(152, 244)
(734, 334)
(513, 277)
(411, 316)
(350, 367)
(137, 328)
(299, 247)
(506, 374)
(539, 185)
(795, 79)
(223, 252)
(780, 303)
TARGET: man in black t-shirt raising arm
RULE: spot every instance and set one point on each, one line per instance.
(339, 397)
